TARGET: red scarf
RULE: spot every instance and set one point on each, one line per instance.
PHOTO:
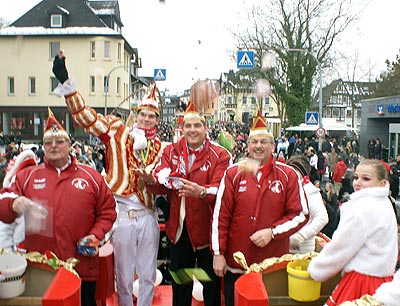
(265, 170)
(183, 159)
(150, 133)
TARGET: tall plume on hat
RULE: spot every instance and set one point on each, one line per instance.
(260, 127)
(150, 101)
(54, 128)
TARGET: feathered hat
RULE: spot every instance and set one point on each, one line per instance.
(260, 127)
(150, 101)
(54, 128)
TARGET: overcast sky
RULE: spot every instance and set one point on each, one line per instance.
(191, 38)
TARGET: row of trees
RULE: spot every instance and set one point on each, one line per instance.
(389, 81)
(315, 26)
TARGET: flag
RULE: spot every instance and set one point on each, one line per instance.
(225, 140)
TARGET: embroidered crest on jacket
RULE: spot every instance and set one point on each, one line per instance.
(276, 186)
(80, 183)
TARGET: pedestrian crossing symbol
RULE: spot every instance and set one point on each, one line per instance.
(245, 59)
(160, 74)
(312, 118)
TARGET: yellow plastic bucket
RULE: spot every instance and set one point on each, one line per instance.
(301, 286)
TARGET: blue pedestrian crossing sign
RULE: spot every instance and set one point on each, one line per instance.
(160, 74)
(245, 59)
(312, 118)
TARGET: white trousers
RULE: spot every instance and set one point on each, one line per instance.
(135, 243)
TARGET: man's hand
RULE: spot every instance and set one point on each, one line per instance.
(59, 69)
(21, 204)
(190, 189)
(88, 245)
(146, 174)
(261, 238)
(219, 265)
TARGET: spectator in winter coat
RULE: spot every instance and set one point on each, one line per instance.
(333, 159)
(378, 149)
(313, 158)
(321, 165)
(331, 196)
(347, 186)
(338, 174)
(331, 226)
(303, 241)
(371, 148)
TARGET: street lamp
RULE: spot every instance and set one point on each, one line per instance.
(320, 89)
(106, 87)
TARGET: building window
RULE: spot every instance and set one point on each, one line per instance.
(107, 49)
(266, 100)
(32, 86)
(53, 83)
(271, 109)
(106, 89)
(119, 52)
(18, 120)
(11, 86)
(92, 84)
(244, 100)
(56, 21)
(253, 100)
(54, 48)
(118, 86)
(92, 49)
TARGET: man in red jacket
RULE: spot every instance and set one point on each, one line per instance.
(189, 173)
(260, 204)
(79, 203)
(338, 173)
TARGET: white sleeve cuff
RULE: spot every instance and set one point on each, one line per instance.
(65, 89)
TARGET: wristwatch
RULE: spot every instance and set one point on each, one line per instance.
(203, 193)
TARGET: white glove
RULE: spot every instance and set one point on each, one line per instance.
(139, 138)
(296, 240)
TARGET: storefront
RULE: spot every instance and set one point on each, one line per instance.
(380, 118)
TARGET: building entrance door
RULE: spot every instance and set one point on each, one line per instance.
(394, 139)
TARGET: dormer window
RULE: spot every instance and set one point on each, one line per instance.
(56, 21)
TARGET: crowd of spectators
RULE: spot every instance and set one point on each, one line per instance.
(335, 152)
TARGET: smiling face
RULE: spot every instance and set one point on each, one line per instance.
(194, 131)
(261, 148)
(367, 176)
(57, 151)
(146, 119)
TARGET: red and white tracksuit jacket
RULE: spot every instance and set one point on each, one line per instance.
(79, 203)
(244, 207)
